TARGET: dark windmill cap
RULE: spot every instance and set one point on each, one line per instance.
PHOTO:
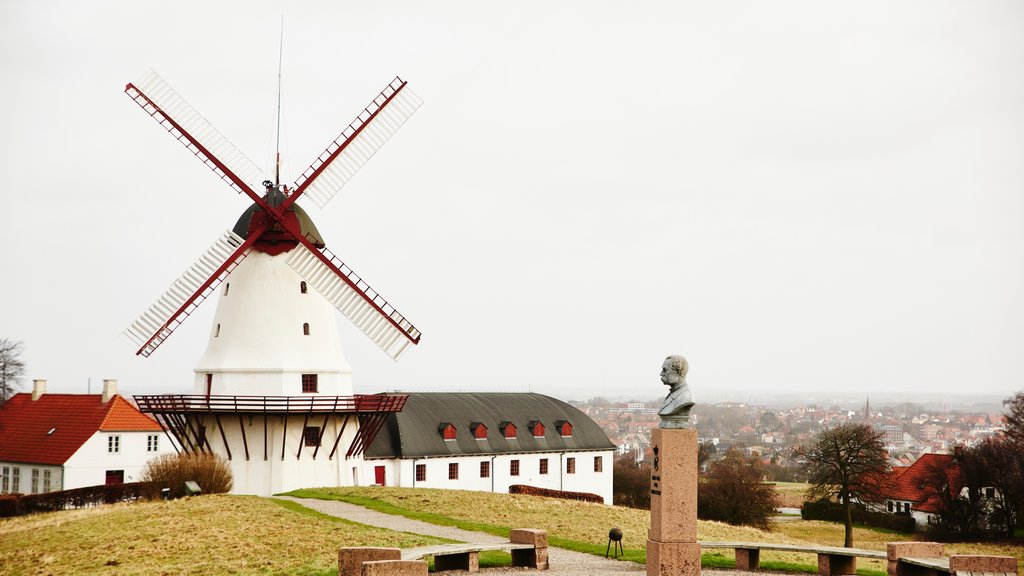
(275, 198)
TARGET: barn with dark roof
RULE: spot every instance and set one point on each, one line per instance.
(488, 441)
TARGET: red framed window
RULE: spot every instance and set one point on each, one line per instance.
(479, 431)
(543, 465)
(448, 431)
(570, 465)
(598, 464)
(114, 477)
(311, 435)
(537, 428)
(310, 384)
(485, 469)
(565, 429)
(513, 468)
(453, 471)
(509, 430)
(421, 472)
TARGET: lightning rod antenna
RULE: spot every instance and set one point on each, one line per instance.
(277, 144)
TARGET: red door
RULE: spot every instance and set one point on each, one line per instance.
(378, 475)
(115, 477)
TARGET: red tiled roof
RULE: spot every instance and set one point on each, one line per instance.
(912, 484)
(25, 425)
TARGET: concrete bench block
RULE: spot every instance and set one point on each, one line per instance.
(531, 558)
(896, 550)
(836, 564)
(532, 536)
(979, 563)
(469, 561)
(351, 558)
(394, 568)
(748, 559)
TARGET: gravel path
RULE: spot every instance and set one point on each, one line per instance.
(562, 562)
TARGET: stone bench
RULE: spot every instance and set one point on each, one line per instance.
(927, 559)
(529, 548)
(832, 561)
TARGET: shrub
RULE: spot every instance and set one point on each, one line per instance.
(631, 483)
(563, 494)
(211, 472)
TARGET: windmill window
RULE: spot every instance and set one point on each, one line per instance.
(302, 287)
(227, 286)
(311, 435)
(216, 331)
(201, 439)
(310, 385)
(113, 444)
(305, 329)
(152, 443)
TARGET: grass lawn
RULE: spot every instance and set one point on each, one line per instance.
(213, 534)
(584, 526)
(791, 494)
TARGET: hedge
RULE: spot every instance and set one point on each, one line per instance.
(534, 491)
(834, 512)
(20, 504)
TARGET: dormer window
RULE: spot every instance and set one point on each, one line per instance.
(479, 430)
(447, 430)
(508, 430)
(564, 428)
(537, 428)
(302, 287)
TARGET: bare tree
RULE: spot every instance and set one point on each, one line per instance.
(1015, 417)
(12, 369)
(848, 462)
(734, 492)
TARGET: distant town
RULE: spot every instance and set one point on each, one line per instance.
(910, 429)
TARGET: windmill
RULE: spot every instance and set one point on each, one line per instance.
(273, 354)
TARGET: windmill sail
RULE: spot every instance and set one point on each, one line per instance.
(354, 298)
(186, 293)
(358, 143)
(189, 127)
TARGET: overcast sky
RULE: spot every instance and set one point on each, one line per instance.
(794, 195)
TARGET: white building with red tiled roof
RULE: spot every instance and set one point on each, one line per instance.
(51, 442)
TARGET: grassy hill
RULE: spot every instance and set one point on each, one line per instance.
(250, 535)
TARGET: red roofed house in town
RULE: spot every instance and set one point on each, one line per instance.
(51, 442)
(912, 489)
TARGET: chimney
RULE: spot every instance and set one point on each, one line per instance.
(38, 389)
(109, 390)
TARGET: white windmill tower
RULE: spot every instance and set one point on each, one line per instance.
(273, 391)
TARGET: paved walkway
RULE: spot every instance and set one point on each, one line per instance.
(562, 562)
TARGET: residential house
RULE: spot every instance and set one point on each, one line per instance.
(51, 442)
